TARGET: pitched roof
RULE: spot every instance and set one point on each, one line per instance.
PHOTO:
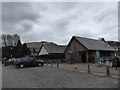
(51, 48)
(113, 43)
(37, 45)
(92, 44)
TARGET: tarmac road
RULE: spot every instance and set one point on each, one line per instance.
(0, 75)
(49, 77)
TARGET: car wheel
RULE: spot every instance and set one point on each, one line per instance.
(39, 64)
(21, 66)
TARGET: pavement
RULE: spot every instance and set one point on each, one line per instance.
(50, 77)
(94, 69)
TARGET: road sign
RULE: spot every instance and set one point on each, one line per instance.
(69, 52)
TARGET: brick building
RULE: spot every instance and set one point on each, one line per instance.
(84, 50)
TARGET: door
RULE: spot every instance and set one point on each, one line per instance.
(83, 54)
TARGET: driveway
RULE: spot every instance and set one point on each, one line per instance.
(50, 77)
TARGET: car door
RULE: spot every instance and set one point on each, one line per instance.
(30, 61)
(34, 62)
(26, 61)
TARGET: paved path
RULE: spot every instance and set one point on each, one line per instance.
(93, 68)
(49, 77)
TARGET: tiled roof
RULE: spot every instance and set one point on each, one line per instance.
(51, 48)
(36, 45)
(92, 44)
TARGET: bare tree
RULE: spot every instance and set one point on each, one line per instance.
(16, 38)
(10, 40)
(3, 37)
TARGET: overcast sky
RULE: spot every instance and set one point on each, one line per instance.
(58, 22)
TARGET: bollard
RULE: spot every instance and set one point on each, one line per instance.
(51, 64)
(88, 68)
(57, 64)
(107, 71)
(75, 68)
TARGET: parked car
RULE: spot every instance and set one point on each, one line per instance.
(9, 62)
(28, 62)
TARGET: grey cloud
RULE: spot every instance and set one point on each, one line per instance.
(119, 21)
(27, 25)
(0, 18)
(27, 37)
(101, 17)
(14, 12)
(58, 22)
(66, 5)
(61, 25)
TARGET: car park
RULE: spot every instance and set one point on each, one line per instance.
(28, 62)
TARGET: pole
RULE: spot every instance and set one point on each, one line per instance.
(107, 70)
(52, 63)
(88, 61)
(87, 56)
(46, 62)
(57, 64)
(88, 68)
(70, 58)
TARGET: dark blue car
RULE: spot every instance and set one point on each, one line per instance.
(28, 62)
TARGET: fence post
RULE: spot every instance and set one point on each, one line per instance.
(88, 68)
(46, 63)
(57, 64)
(107, 71)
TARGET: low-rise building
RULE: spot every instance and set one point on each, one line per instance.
(115, 44)
(35, 46)
(51, 51)
(82, 50)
